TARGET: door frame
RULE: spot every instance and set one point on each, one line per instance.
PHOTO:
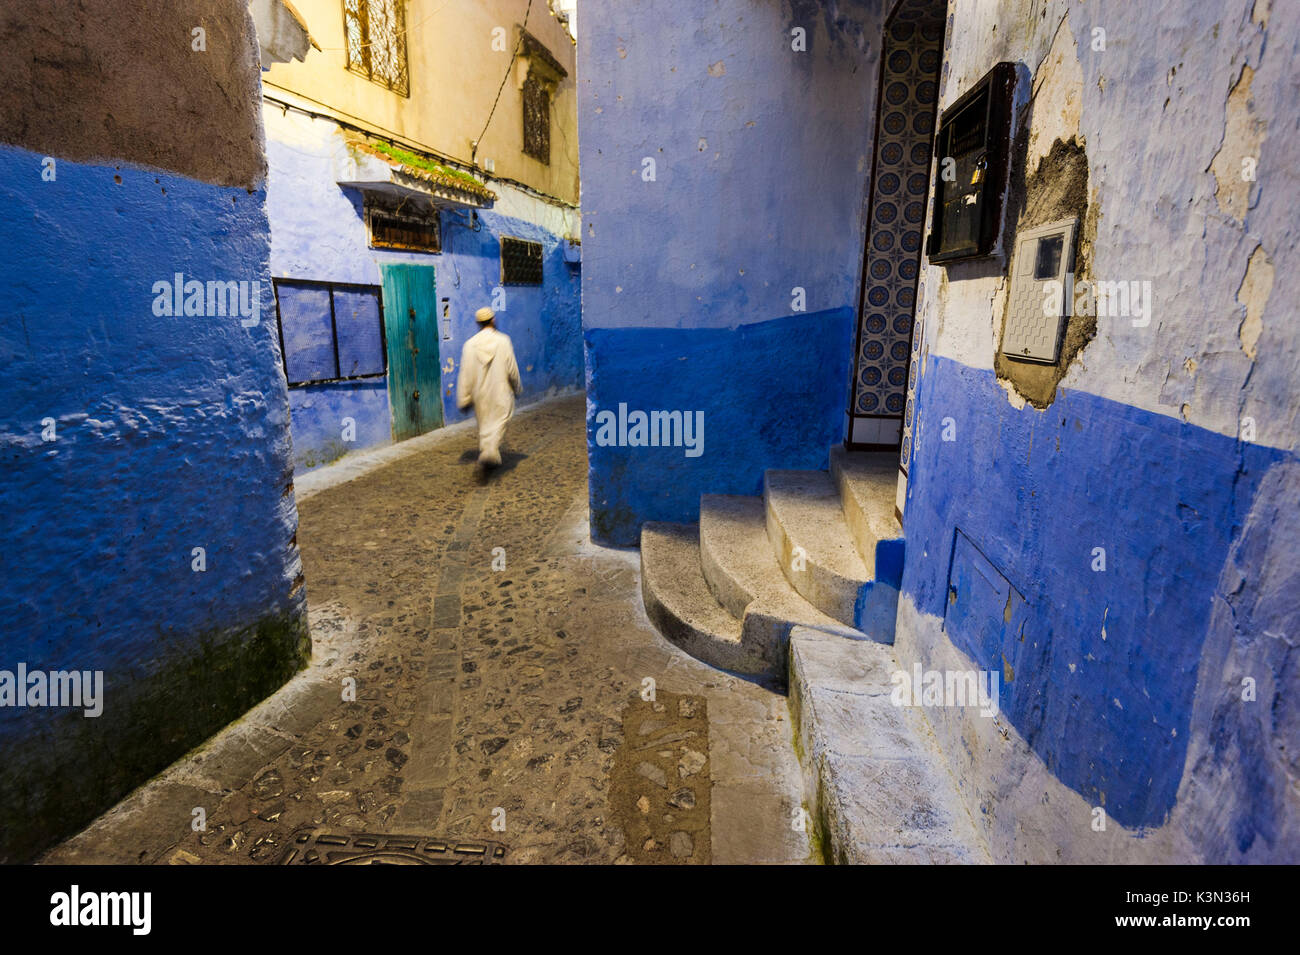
(394, 278)
(864, 277)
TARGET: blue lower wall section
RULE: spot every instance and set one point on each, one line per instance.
(772, 394)
(1099, 668)
(170, 433)
(318, 412)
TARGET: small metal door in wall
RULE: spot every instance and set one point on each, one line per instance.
(411, 327)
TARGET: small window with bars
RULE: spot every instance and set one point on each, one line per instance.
(376, 47)
(415, 231)
(521, 262)
(537, 120)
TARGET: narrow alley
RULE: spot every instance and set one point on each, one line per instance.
(500, 663)
(826, 433)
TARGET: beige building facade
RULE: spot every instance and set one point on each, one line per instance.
(426, 74)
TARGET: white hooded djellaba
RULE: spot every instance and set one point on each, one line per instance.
(489, 380)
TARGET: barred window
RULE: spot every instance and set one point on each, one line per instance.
(537, 120)
(521, 261)
(376, 33)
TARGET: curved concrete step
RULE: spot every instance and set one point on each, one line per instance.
(742, 573)
(877, 781)
(811, 539)
(681, 606)
(867, 482)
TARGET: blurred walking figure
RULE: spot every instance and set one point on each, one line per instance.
(489, 381)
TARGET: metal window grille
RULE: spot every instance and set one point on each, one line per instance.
(521, 262)
(537, 120)
(376, 34)
(388, 230)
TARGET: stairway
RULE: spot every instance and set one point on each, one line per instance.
(818, 549)
(801, 586)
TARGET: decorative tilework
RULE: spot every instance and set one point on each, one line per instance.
(900, 188)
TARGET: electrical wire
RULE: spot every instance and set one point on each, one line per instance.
(380, 132)
(473, 152)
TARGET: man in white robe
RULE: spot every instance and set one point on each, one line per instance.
(489, 381)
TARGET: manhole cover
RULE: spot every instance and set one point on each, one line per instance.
(326, 848)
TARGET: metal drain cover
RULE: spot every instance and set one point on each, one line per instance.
(316, 847)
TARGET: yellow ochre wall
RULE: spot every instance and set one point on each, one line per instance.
(454, 77)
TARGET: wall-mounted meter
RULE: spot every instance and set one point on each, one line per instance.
(1041, 292)
(972, 150)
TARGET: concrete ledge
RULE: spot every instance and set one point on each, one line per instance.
(868, 483)
(807, 530)
(875, 780)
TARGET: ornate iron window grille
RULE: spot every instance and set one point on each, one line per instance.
(376, 47)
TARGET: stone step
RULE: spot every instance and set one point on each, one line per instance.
(815, 549)
(683, 609)
(741, 570)
(867, 482)
(878, 785)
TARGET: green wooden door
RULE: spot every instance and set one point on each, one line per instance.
(411, 326)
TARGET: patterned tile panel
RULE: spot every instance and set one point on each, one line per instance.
(900, 188)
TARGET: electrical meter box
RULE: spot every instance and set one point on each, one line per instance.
(973, 148)
(1042, 290)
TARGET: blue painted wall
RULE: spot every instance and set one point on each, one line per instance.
(765, 405)
(544, 322)
(760, 155)
(318, 232)
(172, 432)
(318, 420)
(1099, 668)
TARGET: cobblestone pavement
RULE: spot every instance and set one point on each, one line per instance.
(508, 687)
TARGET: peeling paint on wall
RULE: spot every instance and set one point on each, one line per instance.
(1253, 293)
(1235, 165)
(1160, 439)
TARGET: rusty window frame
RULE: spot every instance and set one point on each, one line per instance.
(385, 227)
(376, 44)
(537, 119)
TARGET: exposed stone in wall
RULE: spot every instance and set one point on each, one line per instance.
(1049, 182)
(1243, 133)
(1057, 189)
(1253, 294)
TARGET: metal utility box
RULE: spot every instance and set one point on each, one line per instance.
(973, 150)
(1042, 290)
